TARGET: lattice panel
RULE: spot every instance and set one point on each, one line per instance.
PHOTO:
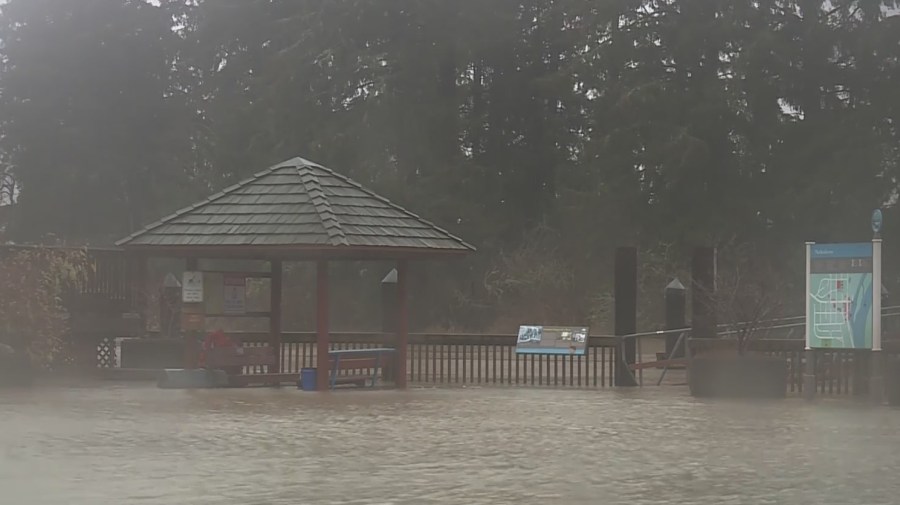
(106, 353)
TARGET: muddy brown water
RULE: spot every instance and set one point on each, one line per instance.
(122, 444)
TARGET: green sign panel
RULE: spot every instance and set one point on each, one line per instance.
(839, 301)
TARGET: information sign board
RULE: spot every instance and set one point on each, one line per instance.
(839, 299)
(192, 287)
(552, 340)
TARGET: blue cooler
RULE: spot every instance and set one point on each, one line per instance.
(307, 379)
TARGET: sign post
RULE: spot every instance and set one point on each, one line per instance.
(842, 311)
(193, 318)
(876, 381)
(809, 370)
(843, 305)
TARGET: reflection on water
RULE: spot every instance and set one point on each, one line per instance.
(130, 444)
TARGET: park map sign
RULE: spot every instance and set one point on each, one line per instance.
(839, 296)
(552, 340)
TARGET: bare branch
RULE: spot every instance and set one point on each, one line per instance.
(747, 294)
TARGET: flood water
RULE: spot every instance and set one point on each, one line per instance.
(125, 444)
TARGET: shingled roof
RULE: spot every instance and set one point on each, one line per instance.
(296, 205)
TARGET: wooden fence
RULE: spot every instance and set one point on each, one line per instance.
(838, 372)
(435, 359)
(460, 359)
(465, 359)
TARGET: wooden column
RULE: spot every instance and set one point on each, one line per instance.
(275, 313)
(625, 304)
(402, 324)
(389, 320)
(676, 317)
(192, 336)
(170, 307)
(139, 300)
(322, 360)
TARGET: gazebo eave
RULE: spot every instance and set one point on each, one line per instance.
(296, 253)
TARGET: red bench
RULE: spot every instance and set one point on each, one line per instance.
(364, 365)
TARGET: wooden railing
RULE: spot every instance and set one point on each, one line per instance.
(460, 359)
(838, 372)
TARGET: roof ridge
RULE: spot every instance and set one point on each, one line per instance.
(322, 205)
(384, 200)
(215, 196)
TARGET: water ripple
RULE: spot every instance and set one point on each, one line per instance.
(115, 444)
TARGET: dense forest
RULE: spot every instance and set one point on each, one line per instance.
(545, 132)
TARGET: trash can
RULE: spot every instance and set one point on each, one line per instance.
(307, 379)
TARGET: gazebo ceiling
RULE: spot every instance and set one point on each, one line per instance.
(296, 208)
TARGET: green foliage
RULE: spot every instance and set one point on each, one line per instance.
(93, 119)
(34, 320)
(584, 124)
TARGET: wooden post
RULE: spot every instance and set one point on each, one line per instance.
(275, 283)
(625, 294)
(810, 380)
(140, 302)
(170, 307)
(322, 346)
(389, 319)
(402, 324)
(861, 372)
(675, 317)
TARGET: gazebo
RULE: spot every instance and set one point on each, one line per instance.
(299, 210)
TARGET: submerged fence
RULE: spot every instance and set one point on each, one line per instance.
(838, 372)
(461, 359)
(488, 360)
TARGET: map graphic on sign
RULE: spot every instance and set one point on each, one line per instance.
(552, 340)
(839, 312)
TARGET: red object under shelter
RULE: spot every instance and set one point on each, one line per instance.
(299, 210)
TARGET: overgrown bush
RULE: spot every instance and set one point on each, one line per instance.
(33, 319)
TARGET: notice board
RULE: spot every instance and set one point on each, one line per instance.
(840, 298)
(552, 340)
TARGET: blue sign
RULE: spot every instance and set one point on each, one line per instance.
(843, 251)
(839, 302)
(877, 221)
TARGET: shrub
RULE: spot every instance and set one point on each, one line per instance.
(33, 319)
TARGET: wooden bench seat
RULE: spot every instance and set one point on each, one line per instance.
(365, 363)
